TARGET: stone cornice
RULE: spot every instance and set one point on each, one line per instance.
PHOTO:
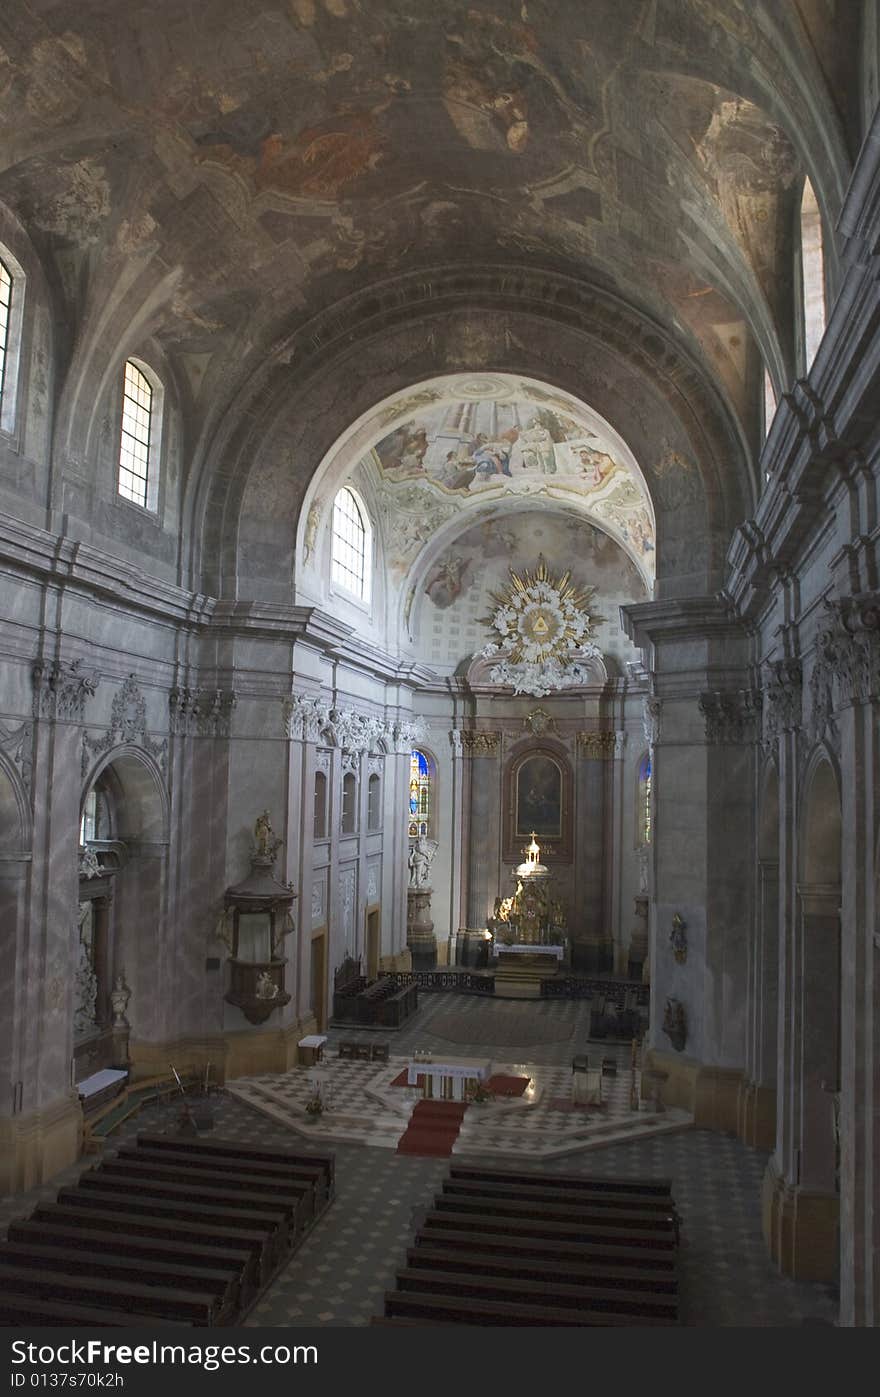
(680, 618)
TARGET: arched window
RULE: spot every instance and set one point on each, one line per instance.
(349, 803)
(140, 436)
(643, 802)
(320, 805)
(812, 274)
(11, 320)
(5, 316)
(351, 545)
(374, 802)
(769, 400)
(419, 812)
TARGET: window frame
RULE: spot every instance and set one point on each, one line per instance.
(150, 504)
(338, 584)
(12, 348)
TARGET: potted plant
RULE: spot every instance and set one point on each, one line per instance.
(314, 1107)
(479, 1093)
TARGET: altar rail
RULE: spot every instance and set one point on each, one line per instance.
(587, 987)
(558, 987)
(464, 981)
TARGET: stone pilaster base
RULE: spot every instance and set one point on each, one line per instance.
(37, 1145)
(709, 1093)
(800, 1228)
(756, 1115)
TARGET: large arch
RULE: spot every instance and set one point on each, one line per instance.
(584, 341)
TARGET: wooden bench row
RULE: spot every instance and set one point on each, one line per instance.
(502, 1247)
(169, 1229)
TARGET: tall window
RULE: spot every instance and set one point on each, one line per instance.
(813, 274)
(769, 401)
(89, 822)
(349, 565)
(139, 439)
(320, 805)
(349, 804)
(419, 794)
(5, 317)
(643, 811)
(374, 803)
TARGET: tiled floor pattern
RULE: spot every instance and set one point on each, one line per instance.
(363, 1107)
(338, 1276)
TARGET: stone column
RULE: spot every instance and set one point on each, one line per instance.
(638, 963)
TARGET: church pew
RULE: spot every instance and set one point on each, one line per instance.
(194, 1307)
(276, 1174)
(463, 1200)
(608, 1203)
(554, 1294)
(514, 1244)
(115, 1215)
(274, 1212)
(644, 1189)
(298, 1194)
(542, 1268)
(228, 1149)
(19, 1309)
(273, 1239)
(540, 1227)
(451, 1309)
(237, 1263)
(162, 1274)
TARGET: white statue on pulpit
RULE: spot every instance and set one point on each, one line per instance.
(421, 856)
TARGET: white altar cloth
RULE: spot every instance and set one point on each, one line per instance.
(454, 1071)
(520, 950)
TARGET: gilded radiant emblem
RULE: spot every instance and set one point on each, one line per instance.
(542, 624)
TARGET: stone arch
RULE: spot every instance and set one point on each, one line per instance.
(15, 811)
(138, 808)
(583, 340)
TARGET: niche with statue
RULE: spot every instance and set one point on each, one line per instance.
(258, 915)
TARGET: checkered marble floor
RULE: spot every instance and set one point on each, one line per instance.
(362, 1106)
(338, 1276)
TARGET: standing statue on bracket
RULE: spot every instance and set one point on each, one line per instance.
(421, 856)
(266, 845)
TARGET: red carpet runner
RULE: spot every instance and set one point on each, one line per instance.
(433, 1129)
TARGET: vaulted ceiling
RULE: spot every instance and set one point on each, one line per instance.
(219, 173)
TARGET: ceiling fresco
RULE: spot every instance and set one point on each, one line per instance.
(489, 445)
(259, 167)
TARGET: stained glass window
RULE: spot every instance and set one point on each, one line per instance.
(644, 808)
(419, 795)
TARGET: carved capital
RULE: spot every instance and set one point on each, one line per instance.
(481, 744)
(596, 746)
(731, 716)
(61, 689)
(783, 698)
(201, 712)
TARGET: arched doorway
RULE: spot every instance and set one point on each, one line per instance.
(123, 843)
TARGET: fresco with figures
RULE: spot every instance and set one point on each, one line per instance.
(488, 439)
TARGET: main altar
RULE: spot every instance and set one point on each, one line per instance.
(530, 943)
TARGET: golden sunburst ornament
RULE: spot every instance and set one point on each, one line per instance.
(541, 622)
